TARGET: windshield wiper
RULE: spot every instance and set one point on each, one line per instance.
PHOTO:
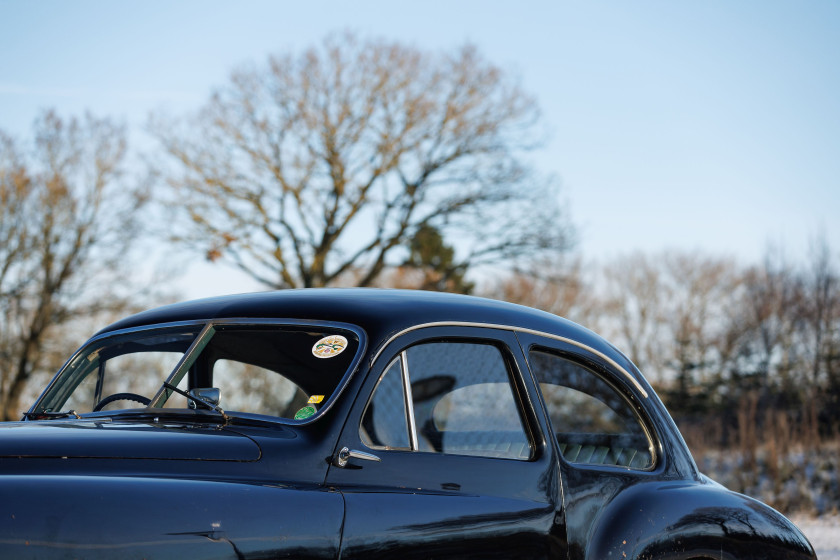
(51, 415)
(199, 401)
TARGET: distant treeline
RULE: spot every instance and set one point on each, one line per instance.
(745, 357)
(741, 354)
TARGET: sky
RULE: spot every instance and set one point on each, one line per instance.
(709, 125)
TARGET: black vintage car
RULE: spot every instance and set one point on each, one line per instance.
(362, 424)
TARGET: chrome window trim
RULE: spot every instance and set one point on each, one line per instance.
(642, 417)
(409, 403)
(392, 363)
(613, 363)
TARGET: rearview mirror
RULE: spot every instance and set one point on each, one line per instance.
(210, 395)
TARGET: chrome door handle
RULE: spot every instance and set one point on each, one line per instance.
(346, 454)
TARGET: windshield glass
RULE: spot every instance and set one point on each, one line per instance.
(285, 371)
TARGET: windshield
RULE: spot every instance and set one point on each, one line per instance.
(284, 371)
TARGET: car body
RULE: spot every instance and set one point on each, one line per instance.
(357, 423)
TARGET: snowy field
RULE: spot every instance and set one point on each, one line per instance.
(824, 534)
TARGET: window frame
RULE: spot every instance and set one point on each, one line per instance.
(204, 330)
(617, 383)
(409, 412)
(507, 346)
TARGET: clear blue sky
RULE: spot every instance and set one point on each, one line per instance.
(711, 125)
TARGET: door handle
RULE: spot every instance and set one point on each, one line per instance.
(346, 454)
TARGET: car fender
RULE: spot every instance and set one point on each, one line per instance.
(94, 517)
(693, 520)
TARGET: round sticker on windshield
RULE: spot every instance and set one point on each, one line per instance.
(329, 346)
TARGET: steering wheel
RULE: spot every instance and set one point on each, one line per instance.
(120, 397)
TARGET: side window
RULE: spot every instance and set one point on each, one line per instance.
(593, 422)
(384, 424)
(462, 402)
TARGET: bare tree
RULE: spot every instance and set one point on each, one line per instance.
(633, 309)
(313, 166)
(557, 285)
(699, 293)
(671, 311)
(822, 311)
(822, 338)
(70, 221)
(15, 191)
(771, 321)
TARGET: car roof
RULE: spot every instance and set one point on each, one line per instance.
(381, 313)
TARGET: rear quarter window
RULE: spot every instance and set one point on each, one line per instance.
(594, 423)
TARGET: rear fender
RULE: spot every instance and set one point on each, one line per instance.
(682, 521)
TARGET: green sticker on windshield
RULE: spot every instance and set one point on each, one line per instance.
(305, 412)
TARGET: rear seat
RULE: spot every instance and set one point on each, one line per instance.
(603, 455)
(593, 449)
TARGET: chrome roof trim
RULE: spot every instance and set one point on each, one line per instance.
(616, 365)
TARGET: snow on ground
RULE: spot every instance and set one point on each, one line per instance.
(824, 534)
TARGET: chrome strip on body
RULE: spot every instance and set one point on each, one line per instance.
(409, 402)
(616, 365)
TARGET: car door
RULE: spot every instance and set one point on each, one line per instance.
(604, 439)
(444, 454)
